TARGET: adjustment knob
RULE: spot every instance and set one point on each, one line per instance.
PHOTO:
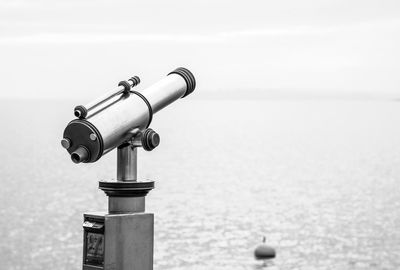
(150, 139)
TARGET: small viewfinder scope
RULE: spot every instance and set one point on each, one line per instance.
(114, 118)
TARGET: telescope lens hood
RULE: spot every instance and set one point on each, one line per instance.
(188, 77)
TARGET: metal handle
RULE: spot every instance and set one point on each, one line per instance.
(124, 87)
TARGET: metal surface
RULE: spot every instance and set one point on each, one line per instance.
(81, 154)
(96, 104)
(129, 242)
(78, 133)
(123, 239)
(93, 137)
(127, 163)
(112, 121)
(132, 112)
(98, 248)
(117, 120)
(165, 91)
(119, 205)
(126, 188)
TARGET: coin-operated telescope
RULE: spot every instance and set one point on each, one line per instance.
(122, 238)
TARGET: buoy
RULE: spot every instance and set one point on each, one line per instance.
(264, 252)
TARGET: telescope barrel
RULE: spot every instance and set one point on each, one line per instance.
(87, 139)
(171, 88)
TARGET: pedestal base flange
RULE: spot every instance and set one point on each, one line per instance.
(126, 188)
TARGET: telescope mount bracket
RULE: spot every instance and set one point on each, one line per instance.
(127, 185)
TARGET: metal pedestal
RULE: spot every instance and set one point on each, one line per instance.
(123, 238)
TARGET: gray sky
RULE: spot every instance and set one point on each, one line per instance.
(54, 49)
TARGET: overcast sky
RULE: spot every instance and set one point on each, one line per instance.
(69, 48)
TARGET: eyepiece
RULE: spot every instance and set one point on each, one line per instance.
(188, 77)
(80, 155)
(80, 111)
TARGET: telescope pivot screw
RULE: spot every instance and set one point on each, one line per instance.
(66, 143)
(150, 139)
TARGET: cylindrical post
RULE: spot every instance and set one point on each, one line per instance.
(126, 172)
(126, 163)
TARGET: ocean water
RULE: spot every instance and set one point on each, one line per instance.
(318, 179)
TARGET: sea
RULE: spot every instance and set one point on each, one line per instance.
(319, 179)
